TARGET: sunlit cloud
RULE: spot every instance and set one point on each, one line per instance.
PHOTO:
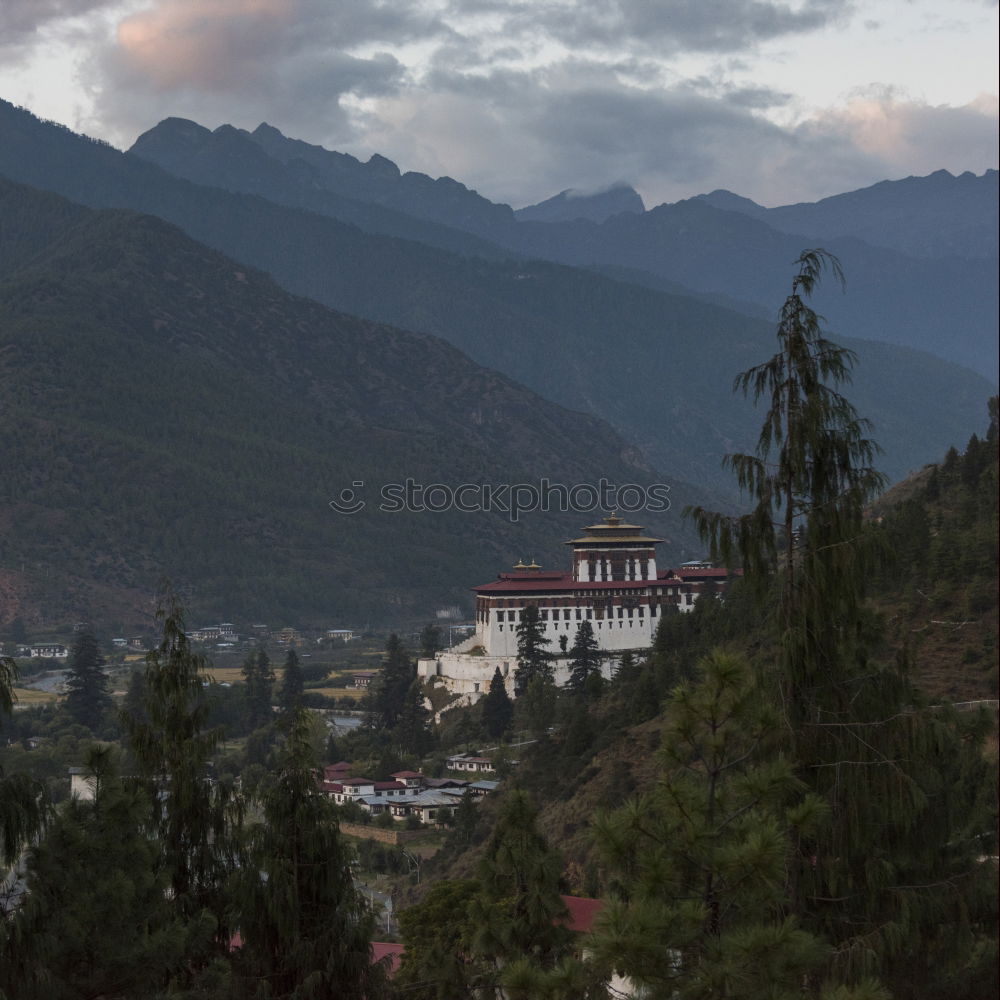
(523, 98)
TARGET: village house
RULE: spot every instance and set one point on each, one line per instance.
(430, 807)
(407, 793)
(412, 779)
(478, 789)
(468, 762)
(362, 789)
(343, 634)
(48, 651)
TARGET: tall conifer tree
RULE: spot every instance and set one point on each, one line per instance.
(430, 641)
(497, 708)
(306, 931)
(517, 913)
(96, 921)
(413, 733)
(898, 779)
(292, 683)
(172, 747)
(397, 674)
(585, 659)
(533, 659)
(87, 698)
(258, 678)
(699, 860)
(22, 807)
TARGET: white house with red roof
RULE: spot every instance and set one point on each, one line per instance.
(614, 584)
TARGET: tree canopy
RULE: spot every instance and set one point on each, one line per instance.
(87, 697)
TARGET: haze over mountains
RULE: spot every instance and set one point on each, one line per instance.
(935, 216)
(267, 396)
(920, 254)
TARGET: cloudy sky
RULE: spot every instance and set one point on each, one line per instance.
(780, 101)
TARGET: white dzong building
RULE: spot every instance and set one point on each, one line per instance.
(614, 584)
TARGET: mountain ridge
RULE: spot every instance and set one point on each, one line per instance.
(546, 325)
(945, 305)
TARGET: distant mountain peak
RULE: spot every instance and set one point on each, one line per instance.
(382, 166)
(598, 206)
(172, 141)
(730, 202)
(264, 129)
(179, 132)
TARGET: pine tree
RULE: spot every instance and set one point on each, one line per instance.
(430, 641)
(497, 708)
(397, 674)
(306, 931)
(533, 660)
(517, 912)
(412, 732)
(897, 780)
(466, 820)
(628, 668)
(172, 747)
(699, 861)
(134, 705)
(437, 963)
(585, 660)
(292, 683)
(95, 921)
(87, 698)
(534, 683)
(23, 809)
(258, 678)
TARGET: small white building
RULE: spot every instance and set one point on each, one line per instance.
(343, 634)
(469, 762)
(429, 807)
(49, 651)
(362, 790)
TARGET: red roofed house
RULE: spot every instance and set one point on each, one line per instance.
(614, 584)
(388, 952)
(582, 912)
(412, 779)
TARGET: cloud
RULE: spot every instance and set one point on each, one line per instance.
(903, 136)
(240, 61)
(24, 22)
(521, 136)
(519, 99)
(227, 44)
(669, 26)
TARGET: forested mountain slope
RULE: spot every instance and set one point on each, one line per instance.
(653, 365)
(166, 410)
